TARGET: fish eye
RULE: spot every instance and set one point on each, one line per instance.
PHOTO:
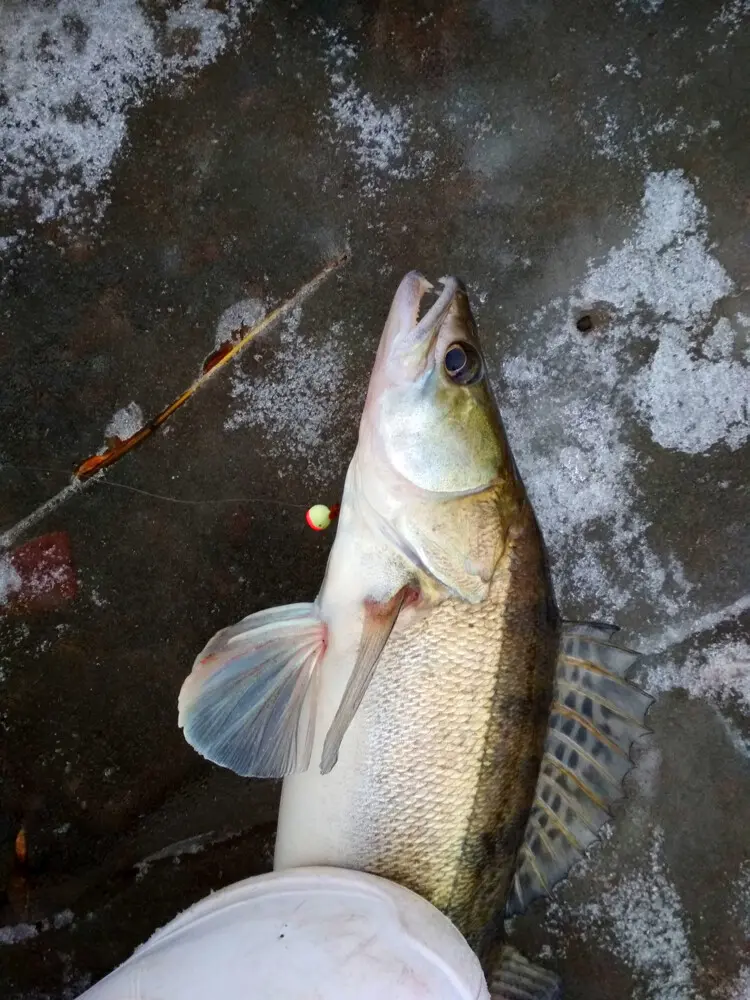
(463, 364)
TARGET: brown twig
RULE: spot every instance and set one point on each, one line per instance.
(93, 467)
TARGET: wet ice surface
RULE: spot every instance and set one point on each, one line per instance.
(71, 72)
(173, 171)
(125, 422)
(654, 359)
(291, 405)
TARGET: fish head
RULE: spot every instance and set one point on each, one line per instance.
(430, 416)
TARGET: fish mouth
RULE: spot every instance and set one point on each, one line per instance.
(409, 339)
(435, 315)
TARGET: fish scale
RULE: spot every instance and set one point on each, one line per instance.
(436, 774)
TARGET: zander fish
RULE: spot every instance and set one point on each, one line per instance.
(464, 741)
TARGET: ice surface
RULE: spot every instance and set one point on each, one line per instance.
(70, 72)
(639, 916)
(296, 403)
(10, 581)
(125, 422)
(571, 398)
(719, 673)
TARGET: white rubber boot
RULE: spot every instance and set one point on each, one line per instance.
(299, 934)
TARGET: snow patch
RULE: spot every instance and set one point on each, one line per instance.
(692, 404)
(740, 907)
(615, 138)
(97, 600)
(729, 19)
(672, 635)
(639, 917)
(720, 673)
(666, 266)
(247, 313)
(571, 395)
(10, 581)
(590, 480)
(740, 988)
(18, 933)
(70, 72)
(297, 401)
(377, 136)
(125, 422)
(8, 242)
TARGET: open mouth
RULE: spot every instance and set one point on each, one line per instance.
(427, 300)
(430, 312)
(417, 314)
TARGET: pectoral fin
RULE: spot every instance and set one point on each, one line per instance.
(249, 703)
(595, 718)
(377, 627)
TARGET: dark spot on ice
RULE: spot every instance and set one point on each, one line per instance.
(584, 323)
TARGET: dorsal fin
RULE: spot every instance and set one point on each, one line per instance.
(595, 717)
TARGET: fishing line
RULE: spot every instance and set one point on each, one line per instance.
(90, 469)
(101, 481)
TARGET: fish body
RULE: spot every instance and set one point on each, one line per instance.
(434, 721)
(436, 774)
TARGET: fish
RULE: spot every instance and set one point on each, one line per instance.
(434, 718)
